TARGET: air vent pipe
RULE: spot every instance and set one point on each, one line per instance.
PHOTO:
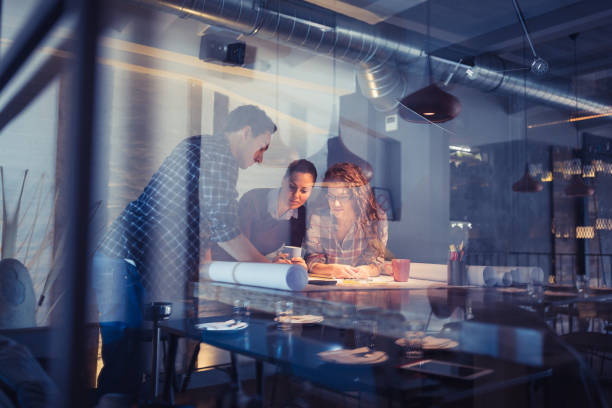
(378, 51)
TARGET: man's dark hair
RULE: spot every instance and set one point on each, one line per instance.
(248, 115)
(301, 166)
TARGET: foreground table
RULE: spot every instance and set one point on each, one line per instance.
(295, 352)
(507, 329)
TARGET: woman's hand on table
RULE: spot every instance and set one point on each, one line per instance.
(284, 259)
(345, 271)
(336, 271)
(366, 271)
(299, 261)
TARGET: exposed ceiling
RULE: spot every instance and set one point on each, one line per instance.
(463, 28)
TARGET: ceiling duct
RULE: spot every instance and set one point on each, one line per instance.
(377, 50)
(379, 83)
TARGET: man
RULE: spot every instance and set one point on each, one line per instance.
(157, 243)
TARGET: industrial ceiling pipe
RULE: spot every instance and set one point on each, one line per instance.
(381, 52)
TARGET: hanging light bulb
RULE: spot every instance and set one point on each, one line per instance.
(577, 187)
(431, 104)
(526, 184)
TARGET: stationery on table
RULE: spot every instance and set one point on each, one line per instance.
(314, 279)
(456, 252)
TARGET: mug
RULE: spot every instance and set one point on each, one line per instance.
(292, 251)
(401, 269)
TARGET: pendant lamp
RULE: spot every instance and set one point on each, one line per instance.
(577, 187)
(526, 184)
(431, 103)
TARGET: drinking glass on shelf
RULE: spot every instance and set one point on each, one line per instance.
(580, 282)
(413, 338)
(284, 314)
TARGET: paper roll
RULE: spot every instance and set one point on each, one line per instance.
(266, 275)
(476, 275)
(503, 275)
(425, 271)
(526, 274)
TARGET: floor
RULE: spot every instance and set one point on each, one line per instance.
(280, 391)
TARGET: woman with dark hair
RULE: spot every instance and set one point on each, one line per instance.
(271, 218)
(347, 239)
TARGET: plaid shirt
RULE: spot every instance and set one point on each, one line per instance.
(189, 203)
(359, 246)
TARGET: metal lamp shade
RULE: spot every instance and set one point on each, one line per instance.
(527, 184)
(432, 104)
(577, 188)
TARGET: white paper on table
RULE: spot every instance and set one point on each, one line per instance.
(433, 272)
(267, 275)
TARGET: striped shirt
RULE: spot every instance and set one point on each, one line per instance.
(189, 203)
(361, 246)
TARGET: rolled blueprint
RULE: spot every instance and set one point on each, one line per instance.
(526, 274)
(266, 275)
(489, 275)
(503, 275)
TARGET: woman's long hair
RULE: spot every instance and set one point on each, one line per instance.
(351, 175)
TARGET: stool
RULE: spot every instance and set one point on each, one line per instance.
(156, 312)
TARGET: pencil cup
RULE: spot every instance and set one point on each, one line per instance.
(455, 273)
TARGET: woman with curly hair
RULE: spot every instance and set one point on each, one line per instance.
(346, 238)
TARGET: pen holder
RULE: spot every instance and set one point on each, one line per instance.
(455, 273)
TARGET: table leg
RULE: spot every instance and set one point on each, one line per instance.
(234, 371)
(259, 377)
(192, 364)
(170, 369)
(155, 362)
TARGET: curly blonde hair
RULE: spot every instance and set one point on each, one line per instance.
(353, 178)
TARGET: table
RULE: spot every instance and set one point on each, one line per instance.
(295, 352)
(501, 328)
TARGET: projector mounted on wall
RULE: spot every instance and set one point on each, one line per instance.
(222, 47)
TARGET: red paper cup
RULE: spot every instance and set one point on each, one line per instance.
(401, 269)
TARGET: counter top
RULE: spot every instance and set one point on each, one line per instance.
(391, 307)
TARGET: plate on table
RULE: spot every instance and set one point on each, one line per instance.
(359, 356)
(228, 326)
(554, 293)
(432, 343)
(512, 290)
(302, 319)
